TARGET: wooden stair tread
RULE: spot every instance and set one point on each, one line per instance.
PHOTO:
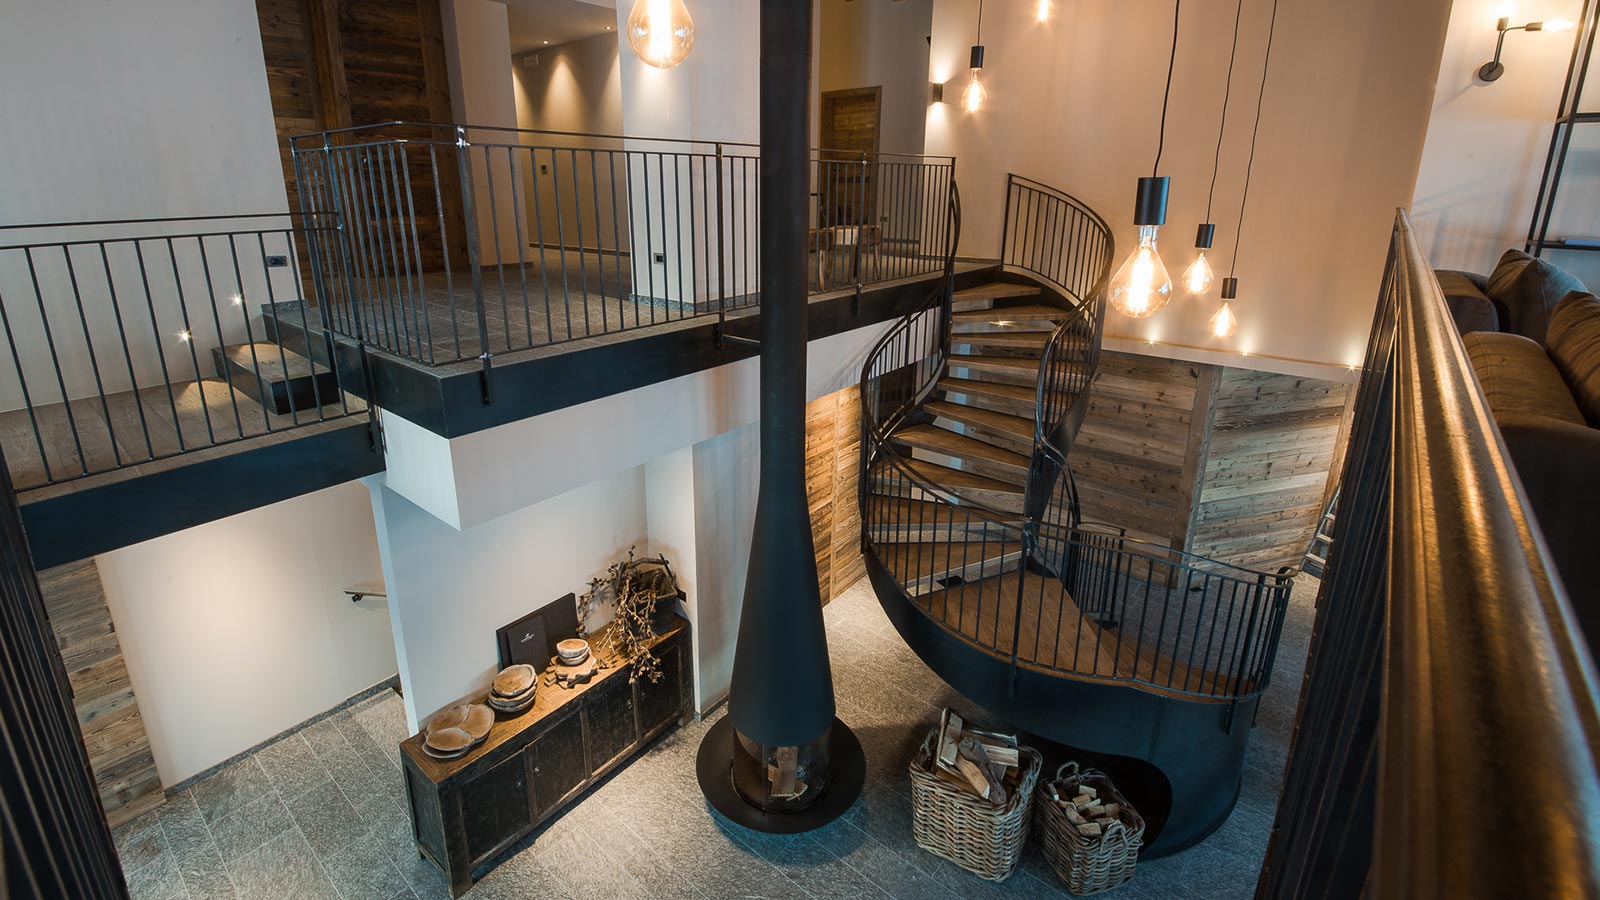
(1021, 340)
(936, 558)
(996, 290)
(1032, 313)
(932, 437)
(957, 480)
(968, 386)
(1012, 364)
(904, 511)
(983, 418)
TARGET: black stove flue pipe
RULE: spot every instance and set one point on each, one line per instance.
(782, 687)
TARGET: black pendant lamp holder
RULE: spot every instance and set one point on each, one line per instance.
(976, 59)
(1230, 288)
(1204, 235)
(1150, 203)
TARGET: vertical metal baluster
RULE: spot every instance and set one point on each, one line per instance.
(283, 358)
(127, 355)
(499, 247)
(474, 255)
(650, 239)
(305, 328)
(156, 335)
(183, 311)
(425, 307)
(216, 321)
(666, 244)
(583, 269)
(267, 408)
(599, 239)
(518, 209)
(444, 249)
(388, 285)
(27, 396)
(616, 242)
(677, 222)
(399, 240)
(544, 251)
(94, 363)
(378, 290)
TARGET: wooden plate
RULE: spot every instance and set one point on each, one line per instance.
(514, 680)
(450, 718)
(573, 650)
(449, 740)
(479, 720)
(439, 754)
(513, 707)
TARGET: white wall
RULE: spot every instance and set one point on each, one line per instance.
(574, 87)
(1486, 142)
(727, 481)
(477, 43)
(1075, 103)
(236, 630)
(451, 589)
(883, 44)
(129, 110)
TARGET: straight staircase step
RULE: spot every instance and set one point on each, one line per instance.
(274, 375)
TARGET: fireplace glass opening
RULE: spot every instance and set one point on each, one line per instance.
(780, 779)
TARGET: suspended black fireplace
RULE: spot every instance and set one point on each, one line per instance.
(780, 761)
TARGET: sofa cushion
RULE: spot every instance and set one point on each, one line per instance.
(1518, 378)
(1469, 306)
(1525, 290)
(1574, 346)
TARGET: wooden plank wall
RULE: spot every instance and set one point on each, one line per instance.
(833, 464)
(1226, 462)
(108, 712)
(335, 63)
(1272, 447)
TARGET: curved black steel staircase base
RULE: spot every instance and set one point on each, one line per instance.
(1185, 757)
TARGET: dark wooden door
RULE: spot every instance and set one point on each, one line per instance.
(846, 190)
(559, 766)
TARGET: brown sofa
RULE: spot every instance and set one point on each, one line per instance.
(1545, 397)
(1517, 297)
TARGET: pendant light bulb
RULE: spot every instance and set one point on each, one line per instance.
(660, 32)
(1142, 286)
(1224, 323)
(1042, 10)
(1199, 276)
(972, 99)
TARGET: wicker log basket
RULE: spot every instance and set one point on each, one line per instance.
(984, 839)
(1087, 863)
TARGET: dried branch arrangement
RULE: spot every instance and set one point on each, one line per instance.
(635, 587)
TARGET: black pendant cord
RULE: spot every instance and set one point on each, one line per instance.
(1227, 91)
(1161, 139)
(1244, 197)
(979, 41)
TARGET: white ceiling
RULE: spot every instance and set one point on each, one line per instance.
(539, 23)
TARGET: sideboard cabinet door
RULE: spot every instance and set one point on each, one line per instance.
(611, 729)
(661, 701)
(559, 767)
(496, 806)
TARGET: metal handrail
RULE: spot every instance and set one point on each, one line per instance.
(1445, 655)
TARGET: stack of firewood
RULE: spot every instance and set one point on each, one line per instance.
(1086, 811)
(981, 763)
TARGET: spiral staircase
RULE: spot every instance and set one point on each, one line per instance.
(976, 548)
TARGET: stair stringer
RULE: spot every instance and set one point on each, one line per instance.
(1197, 746)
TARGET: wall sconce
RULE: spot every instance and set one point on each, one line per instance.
(936, 92)
(1493, 69)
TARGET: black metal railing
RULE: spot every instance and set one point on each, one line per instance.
(118, 337)
(1445, 655)
(465, 241)
(1036, 585)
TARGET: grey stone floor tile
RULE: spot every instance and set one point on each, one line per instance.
(184, 827)
(326, 740)
(230, 789)
(357, 781)
(578, 862)
(206, 876)
(252, 825)
(160, 880)
(140, 842)
(896, 876)
(292, 766)
(363, 871)
(283, 867)
(327, 820)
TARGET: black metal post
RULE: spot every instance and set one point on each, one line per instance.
(781, 697)
(55, 840)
